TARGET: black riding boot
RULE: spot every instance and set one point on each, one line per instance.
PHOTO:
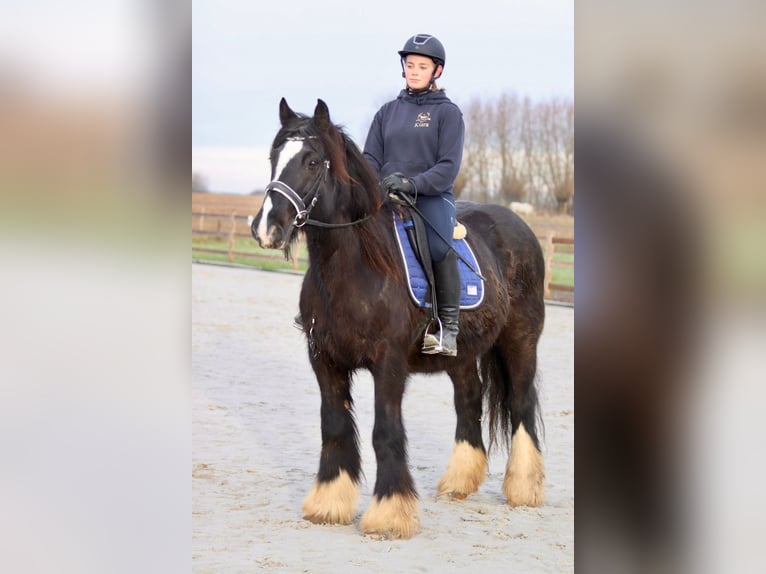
(447, 279)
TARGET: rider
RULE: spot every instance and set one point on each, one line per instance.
(415, 144)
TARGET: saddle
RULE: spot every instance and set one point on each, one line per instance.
(411, 239)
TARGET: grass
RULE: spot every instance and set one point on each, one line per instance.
(272, 260)
(562, 275)
(266, 259)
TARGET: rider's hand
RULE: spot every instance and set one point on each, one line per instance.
(398, 183)
(399, 188)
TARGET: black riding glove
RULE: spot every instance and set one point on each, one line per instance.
(396, 185)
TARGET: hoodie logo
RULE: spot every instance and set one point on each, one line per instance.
(424, 118)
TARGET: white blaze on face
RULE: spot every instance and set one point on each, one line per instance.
(290, 150)
(262, 234)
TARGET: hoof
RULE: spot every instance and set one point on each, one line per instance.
(465, 472)
(394, 516)
(524, 474)
(332, 502)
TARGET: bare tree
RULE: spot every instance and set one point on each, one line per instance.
(519, 150)
(507, 130)
(568, 149)
(459, 185)
(559, 151)
(476, 166)
(532, 158)
(548, 137)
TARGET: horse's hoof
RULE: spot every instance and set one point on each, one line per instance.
(332, 502)
(524, 490)
(524, 474)
(453, 496)
(465, 472)
(394, 516)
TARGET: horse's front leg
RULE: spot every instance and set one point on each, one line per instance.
(393, 511)
(335, 493)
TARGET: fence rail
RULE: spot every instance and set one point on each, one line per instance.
(231, 225)
(549, 243)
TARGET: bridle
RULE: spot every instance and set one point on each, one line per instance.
(302, 210)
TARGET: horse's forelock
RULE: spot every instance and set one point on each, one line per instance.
(297, 128)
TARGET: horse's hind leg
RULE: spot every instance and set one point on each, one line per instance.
(393, 511)
(467, 466)
(524, 473)
(511, 367)
(334, 495)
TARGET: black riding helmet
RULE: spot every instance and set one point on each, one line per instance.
(424, 45)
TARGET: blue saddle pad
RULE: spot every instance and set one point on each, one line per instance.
(471, 285)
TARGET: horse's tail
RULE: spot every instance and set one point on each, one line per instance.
(509, 402)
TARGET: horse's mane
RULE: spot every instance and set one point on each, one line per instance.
(357, 188)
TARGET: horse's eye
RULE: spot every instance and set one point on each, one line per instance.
(313, 162)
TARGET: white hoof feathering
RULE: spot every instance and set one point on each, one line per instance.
(524, 473)
(332, 502)
(394, 516)
(466, 470)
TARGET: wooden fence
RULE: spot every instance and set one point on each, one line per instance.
(233, 225)
(229, 226)
(549, 244)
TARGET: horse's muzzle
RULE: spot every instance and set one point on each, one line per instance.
(254, 228)
(254, 225)
(271, 238)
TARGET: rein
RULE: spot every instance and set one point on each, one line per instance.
(302, 211)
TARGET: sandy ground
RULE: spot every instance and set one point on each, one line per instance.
(256, 442)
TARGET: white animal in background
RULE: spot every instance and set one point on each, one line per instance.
(250, 219)
(522, 208)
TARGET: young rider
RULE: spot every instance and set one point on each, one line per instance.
(415, 143)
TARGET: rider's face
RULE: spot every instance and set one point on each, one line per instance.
(418, 70)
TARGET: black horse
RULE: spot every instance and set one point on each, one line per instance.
(357, 314)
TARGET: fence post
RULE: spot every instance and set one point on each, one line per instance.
(201, 219)
(231, 235)
(548, 264)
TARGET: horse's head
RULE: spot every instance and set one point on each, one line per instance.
(311, 160)
(299, 165)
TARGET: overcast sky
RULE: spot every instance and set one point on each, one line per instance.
(247, 55)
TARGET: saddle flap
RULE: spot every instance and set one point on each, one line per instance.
(472, 286)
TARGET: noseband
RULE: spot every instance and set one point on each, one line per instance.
(303, 211)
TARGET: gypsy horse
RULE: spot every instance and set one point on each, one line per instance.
(357, 314)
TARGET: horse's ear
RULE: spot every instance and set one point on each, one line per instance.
(322, 116)
(285, 113)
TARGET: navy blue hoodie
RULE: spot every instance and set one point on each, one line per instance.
(421, 137)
